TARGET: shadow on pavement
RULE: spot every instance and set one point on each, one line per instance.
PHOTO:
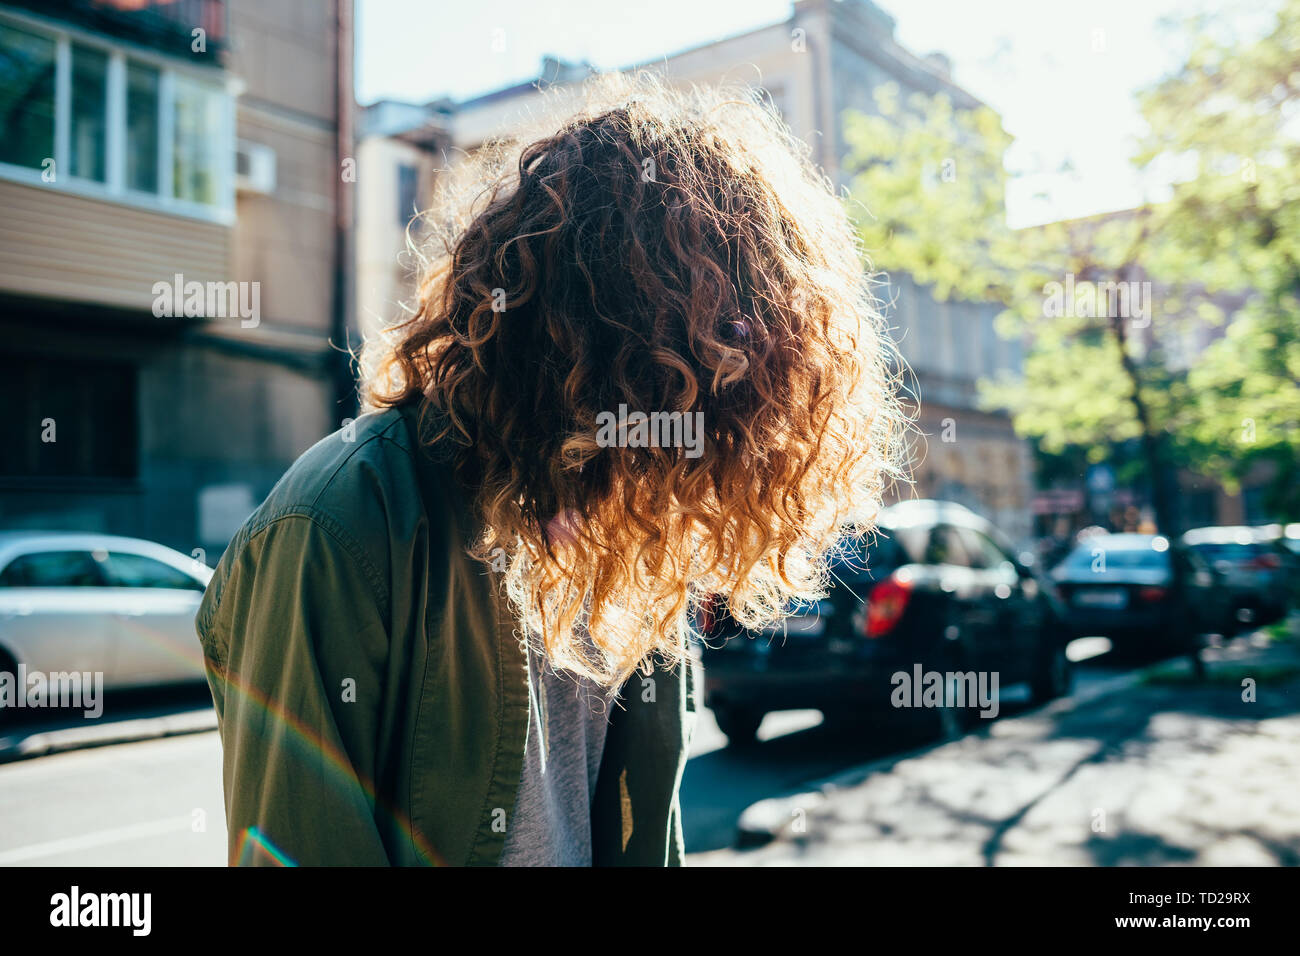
(1168, 771)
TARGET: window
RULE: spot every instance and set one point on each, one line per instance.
(67, 419)
(198, 127)
(142, 105)
(52, 569)
(1117, 558)
(407, 187)
(88, 135)
(28, 65)
(85, 115)
(137, 571)
(883, 556)
(985, 554)
(946, 548)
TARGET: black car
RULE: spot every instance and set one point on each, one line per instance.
(938, 588)
(1144, 592)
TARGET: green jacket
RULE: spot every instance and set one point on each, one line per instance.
(372, 701)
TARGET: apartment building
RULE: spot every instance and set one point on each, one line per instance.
(826, 59)
(174, 258)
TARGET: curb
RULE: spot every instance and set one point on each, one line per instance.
(21, 747)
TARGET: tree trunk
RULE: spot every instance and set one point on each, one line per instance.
(1163, 496)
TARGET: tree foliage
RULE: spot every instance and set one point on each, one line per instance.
(927, 189)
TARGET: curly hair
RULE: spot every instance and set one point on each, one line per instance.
(667, 251)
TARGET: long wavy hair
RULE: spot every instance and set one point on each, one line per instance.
(667, 251)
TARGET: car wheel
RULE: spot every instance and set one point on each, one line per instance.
(952, 722)
(1053, 676)
(740, 724)
(1189, 640)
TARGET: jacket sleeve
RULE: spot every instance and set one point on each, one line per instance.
(295, 641)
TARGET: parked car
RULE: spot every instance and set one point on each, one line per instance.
(1144, 592)
(99, 603)
(1255, 569)
(938, 586)
(1285, 540)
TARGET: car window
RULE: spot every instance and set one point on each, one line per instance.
(52, 569)
(945, 547)
(1083, 557)
(870, 559)
(881, 556)
(984, 552)
(1230, 551)
(124, 570)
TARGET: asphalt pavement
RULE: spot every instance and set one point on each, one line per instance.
(1182, 773)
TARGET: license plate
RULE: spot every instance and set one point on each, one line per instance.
(1110, 598)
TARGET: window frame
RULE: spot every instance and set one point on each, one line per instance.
(115, 189)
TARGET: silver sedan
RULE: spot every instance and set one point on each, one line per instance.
(102, 604)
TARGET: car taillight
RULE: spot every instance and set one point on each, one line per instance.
(708, 614)
(886, 603)
(1266, 562)
(1151, 594)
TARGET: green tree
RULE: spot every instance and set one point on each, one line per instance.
(927, 188)
(1229, 116)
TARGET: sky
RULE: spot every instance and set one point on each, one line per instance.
(1063, 75)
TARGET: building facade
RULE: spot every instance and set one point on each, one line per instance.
(828, 58)
(174, 258)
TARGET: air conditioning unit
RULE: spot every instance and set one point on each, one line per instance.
(254, 168)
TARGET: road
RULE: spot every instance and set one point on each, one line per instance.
(797, 747)
(158, 802)
(1165, 771)
(152, 803)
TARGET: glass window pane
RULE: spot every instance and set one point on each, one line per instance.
(141, 128)
(984, 553)
(137, 571)
(407, 189)
(52, 569)
(27, 67)
(89, 126)
(946, 548)
(199, 135)
(96, 405)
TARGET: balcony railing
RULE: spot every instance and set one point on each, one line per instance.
(164, 25)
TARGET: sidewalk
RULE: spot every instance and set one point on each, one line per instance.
(1159, 770)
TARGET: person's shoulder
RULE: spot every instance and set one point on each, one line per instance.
(334, 476)
(344, 500)
(359, 484)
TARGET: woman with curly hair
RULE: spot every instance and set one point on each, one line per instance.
(643, 369)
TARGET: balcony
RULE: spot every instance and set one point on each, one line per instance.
(164, 25)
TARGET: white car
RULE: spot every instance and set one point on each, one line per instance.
(99, 603)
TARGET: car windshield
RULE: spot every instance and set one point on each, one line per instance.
(1228, 552)
(871, 559)
(1085, 555)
